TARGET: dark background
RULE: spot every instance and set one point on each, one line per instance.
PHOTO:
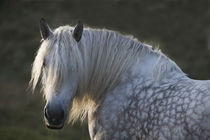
(178, 27)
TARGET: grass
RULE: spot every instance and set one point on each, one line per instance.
(22, 117)
(21, 133)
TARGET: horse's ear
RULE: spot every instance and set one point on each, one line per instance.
(45, 30)
(78, 30)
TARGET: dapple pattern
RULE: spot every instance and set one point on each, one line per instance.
(175, 110)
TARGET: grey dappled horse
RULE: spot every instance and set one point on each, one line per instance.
(127, 89)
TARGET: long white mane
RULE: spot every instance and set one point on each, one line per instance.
(99, 60)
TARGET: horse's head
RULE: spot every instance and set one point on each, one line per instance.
(59, 78)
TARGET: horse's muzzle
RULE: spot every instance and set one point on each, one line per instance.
(54, 118)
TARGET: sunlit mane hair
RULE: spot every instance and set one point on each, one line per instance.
(98, 61)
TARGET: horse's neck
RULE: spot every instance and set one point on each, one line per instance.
(155, 67)
(144, 65)
(105, 72)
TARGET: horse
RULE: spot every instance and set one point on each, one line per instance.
(126, 89)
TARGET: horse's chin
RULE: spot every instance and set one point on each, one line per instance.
(55, 127)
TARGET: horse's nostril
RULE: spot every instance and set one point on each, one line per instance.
(62, 114)
(46, 113)
(54, 115)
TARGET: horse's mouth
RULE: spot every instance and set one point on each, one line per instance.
(54, 126)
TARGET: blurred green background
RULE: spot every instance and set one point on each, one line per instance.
(178, 27)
